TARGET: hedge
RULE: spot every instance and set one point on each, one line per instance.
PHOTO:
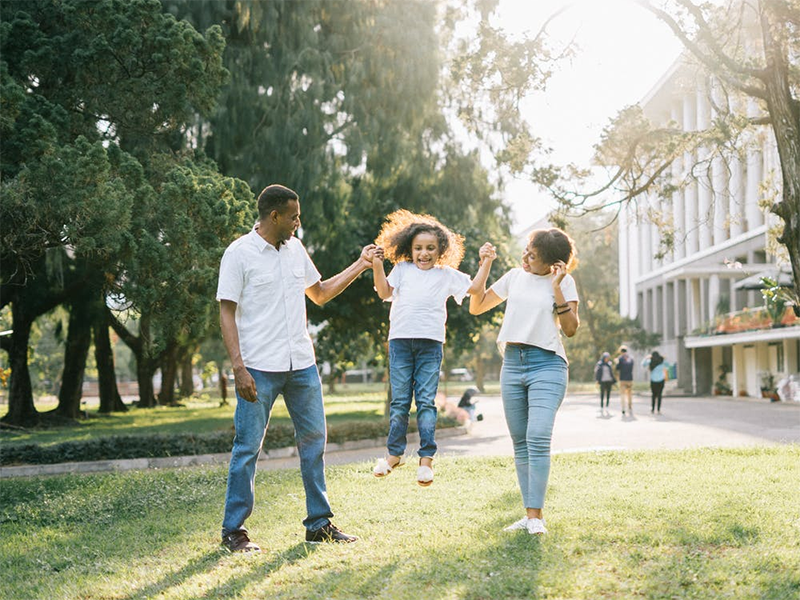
(183, 444)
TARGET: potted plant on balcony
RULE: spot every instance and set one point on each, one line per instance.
(768, 387)
(775, 299)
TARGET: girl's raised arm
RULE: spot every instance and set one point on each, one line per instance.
(379, 276)
(479, 299)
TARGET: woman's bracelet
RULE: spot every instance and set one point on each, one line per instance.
(557, 306)
(565, 311)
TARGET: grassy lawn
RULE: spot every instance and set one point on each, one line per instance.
(701, 524)
(202, 414)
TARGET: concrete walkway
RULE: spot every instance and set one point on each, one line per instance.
(685, 422)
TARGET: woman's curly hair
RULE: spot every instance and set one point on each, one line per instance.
(553, 245)
(402, 226)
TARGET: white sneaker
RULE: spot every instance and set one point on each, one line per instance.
(521, 524)
(536, 526)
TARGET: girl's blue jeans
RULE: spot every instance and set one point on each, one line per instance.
(414, 365)
(533, 382)
(302, 393)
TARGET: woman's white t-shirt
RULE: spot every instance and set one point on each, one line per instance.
(420, 297)
(529, 317)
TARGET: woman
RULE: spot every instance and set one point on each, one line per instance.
(659, 371)
(541, 300)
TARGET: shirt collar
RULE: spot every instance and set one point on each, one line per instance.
(259, 241)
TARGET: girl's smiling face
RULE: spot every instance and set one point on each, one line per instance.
(425, 250)
(531, 262)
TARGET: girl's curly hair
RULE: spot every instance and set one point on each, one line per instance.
(402, 226)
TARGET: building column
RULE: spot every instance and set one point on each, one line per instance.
(704, 215)
(753, 176)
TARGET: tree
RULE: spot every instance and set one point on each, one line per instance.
(94, 92)
(750, 49)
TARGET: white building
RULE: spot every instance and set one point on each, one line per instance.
(690, 295)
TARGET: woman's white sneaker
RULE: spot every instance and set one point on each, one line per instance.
(521, 524)
(536, 526)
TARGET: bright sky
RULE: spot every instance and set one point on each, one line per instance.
(623, 51)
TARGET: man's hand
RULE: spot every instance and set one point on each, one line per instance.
(245, 384)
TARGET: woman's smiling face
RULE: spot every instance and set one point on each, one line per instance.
(425, 250)
(532, 263)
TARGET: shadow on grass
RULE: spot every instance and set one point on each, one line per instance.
(235, 585)
(198, 565)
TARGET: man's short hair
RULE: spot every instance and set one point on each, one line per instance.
(274, 197)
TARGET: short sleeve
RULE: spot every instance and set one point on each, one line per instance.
(312, 275)
(458, 285)
(501, 286)
(231, 277)
(569, 289)
(395, 277)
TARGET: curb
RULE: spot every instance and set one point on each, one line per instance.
(171, 462)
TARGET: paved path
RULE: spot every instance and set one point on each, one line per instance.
(685, 422)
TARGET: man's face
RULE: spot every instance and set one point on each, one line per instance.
(287, 220)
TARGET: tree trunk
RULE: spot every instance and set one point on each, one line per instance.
(223, 385)
(784, 111)
(110, 400)
(21, 411)
(169, 368)
(480, 372)
(187, 374)
(79, 338)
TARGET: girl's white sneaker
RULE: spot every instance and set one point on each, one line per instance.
(536, 526)
(521, 524)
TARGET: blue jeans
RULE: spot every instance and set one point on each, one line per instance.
(302, 393)
(533, 382)
(413, 367)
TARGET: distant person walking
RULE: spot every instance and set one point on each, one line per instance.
(604, 375)
(264, 279)
(659, 372)
(541, 303)
(624, 368)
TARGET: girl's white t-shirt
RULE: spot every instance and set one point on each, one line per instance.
(529, 317)
(420, 297)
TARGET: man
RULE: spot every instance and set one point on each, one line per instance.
(625, 370)
(263, 278)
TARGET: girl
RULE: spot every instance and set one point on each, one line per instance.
(659, 371)
(542, 299)
(425, 255)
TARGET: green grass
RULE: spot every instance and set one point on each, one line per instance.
(700, 524)
(351, 402)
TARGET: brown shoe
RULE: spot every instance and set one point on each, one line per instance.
(238, 541)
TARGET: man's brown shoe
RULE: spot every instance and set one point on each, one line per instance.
(238, 541)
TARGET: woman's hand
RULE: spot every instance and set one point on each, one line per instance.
(559, 270)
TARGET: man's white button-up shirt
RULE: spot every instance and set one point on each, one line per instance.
(268, 287)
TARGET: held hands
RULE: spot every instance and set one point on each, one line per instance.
(368, 255)
(487, 252)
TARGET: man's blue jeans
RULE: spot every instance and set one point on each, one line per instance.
(414, 365)
(533, 382)
(302, 393)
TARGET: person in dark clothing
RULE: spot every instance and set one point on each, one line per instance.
(604, 375)
(624, 368)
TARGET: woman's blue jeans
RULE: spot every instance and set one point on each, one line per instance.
(302, 393)
(414, 365)
(533, 382)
